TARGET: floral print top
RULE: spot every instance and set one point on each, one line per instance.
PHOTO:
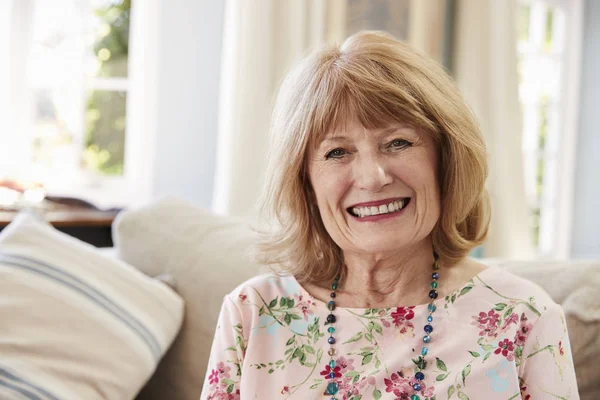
(499, 337)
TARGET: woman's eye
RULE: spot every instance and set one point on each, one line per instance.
(335, 153)
(399, 143)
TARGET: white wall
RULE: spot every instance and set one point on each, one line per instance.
(586, 203)
(175, 137)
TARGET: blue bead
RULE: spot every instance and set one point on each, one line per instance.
(332, 375)
(428, 328)
(331, 318)
(431, 307)
(332, 388)
(433, 294)
(417, 387)
(429, 318)
(420, 376)
(331, 340)
(435, 275)
(426, 338)
(424, 351)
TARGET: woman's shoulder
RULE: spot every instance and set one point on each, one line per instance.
(265, 288)
(506, 289)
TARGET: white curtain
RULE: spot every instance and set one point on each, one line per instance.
(485, 66)
(263, 39)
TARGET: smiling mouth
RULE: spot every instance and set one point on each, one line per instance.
(391, 208)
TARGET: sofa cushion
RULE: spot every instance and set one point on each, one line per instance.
(207, 256)
(75, 323)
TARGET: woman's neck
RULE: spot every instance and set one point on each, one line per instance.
(378, 282)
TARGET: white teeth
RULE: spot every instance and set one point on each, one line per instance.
(382, 209)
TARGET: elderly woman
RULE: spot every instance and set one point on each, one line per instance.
(376, 196)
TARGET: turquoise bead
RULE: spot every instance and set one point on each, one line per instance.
(331, 305)
(431, 307)
(332, 388)
(334, 286)
(426, 338)
(429, 318)
(424, 351)
(332, 364)
(434, 285)
(414, 397)
(331, 329)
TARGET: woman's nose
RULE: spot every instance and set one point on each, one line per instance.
(371, 173)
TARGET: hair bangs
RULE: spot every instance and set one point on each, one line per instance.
(345, 95)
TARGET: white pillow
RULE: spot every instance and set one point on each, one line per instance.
(76, 324)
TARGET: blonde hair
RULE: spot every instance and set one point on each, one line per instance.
(378, 80)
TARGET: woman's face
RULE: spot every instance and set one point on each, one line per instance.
(377, 190)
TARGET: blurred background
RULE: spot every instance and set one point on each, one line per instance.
(120, 102)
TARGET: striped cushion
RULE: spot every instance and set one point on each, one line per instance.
(76, 324)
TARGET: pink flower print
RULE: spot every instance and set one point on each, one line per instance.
(223, 370)
(506, 347)
(286, 389)
(344, 364)
(402, 314)
(488, 323)
(213, 379)
(398, 384)
(513, 319)
(561, 349)
(386, 323)
(305, 306)
(242, 297)
(328, 370)
(523, 331)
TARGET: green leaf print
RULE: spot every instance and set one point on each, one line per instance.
(462, 396)
(465, 372)
(500, 306)
(287, 319)
(352, 374)
(465, 290)
(474, 353)
(376, 394)
(441, 365)
(487, 355)
(273, 302)
(367, 358)
(487, 347)
(354, 338)
(451, 390)
(441, 377)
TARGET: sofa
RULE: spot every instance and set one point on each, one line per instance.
(203, 256)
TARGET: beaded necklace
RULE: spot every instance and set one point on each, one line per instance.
(421, 363)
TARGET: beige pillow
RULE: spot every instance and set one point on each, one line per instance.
(207, 256)
(75, 323)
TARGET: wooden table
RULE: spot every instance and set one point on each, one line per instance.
(91, 226)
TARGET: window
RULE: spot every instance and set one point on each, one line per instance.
(548, 48)
(68, 93)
